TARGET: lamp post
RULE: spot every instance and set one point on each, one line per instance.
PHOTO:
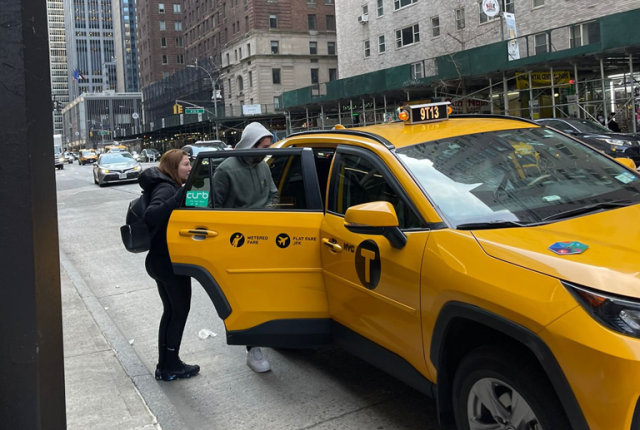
(214, 93)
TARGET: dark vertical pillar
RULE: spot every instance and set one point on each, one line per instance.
(32, 394)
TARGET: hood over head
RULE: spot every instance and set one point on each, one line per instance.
(252, 134)
(151, 177)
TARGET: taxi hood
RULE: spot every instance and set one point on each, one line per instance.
(611, 263)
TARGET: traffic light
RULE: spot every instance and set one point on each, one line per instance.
(177, 109)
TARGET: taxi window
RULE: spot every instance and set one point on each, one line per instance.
(274, 182)
(358, 182)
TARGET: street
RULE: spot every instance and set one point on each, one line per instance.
(307, 389)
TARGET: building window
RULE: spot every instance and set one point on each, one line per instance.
(240, 52)
(407, 36)
(483, 17)
(250, 79)
(235, 53)
(312, 22)
(541, 43)
(585, 34)
(365, 9)
(509, 6)
(179, 42)
(367, 49)
(177, 25)
(315, 76)
(276, 103)
(460, 24)
(163, 26)
(273, 21)
(416, 71)
(313, 48)
(331, 23)
(228, 59)
(176, 8)
(381, 45)
(311, 1)
(538, 3)
(331, 48)
(160, 7)
(246, 23)
(275, 47)
(229, 85)
(233, 28)
(275, 76)
(398, 4)
(180, 59)
(333, 74)
(246, 4)
(163, 42)
(240, 84)
(165, 59)
(248, 50)
(435, 26)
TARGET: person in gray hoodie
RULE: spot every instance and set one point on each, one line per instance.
(246, 183)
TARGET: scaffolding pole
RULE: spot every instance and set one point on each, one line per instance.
(339, 112)
(553, 93)
(604, 92)
(307, 112)
(530, 96)
(322, 116)
(364, 114)
(491, 95)
(575, 77)
(505, 88)
(351, 111)
(633, 97)
(375, 115)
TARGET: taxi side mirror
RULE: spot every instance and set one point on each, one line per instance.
(376, 218)
(628, 162)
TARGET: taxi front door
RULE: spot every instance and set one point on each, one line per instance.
(260, 266)
(373, 288)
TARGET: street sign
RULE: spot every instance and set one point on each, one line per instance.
(135, 115)
(103, 133)
(490, 7)
(77, 133)
(193, 110)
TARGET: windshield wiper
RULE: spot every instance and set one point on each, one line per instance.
(494, 224)
(589, 208)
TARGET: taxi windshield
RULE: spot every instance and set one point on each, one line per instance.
(88, 153)
(518, 176)
(116, 158)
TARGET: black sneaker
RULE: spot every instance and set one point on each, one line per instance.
(186, 371)
(158, 374)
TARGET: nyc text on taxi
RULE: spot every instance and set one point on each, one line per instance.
(489, 262)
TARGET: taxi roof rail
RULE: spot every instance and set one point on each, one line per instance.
(358, 133)
(486, 115)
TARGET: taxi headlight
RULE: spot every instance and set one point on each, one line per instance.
(104, 170)
(137, 168)
(620, 314)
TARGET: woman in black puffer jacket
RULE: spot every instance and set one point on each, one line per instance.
(164, 185)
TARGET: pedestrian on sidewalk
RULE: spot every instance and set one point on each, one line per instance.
(612, 124)
(165, 185)
(246, 183)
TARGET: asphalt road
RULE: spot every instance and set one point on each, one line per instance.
(308, 389)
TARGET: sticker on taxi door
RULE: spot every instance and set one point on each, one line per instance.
(368, 265)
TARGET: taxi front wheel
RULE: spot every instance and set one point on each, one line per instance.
(497, 388)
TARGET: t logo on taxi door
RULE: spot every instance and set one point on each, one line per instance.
(368, 265)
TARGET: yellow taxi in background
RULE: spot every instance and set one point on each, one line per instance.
(87, 156)
(487, 261)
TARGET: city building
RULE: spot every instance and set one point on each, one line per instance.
(90, 41)
(57, 61)
(160, 40)
(90, 120)
(125, 33)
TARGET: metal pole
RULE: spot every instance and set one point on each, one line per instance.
(575, 77)
(351, 110)
(502, 26)
(491, 95)
(384, 98)
(339, 112)
(604, 97)
(505, 96)
(530, 96)
(322, 116)
(375, 115)
(364, 114)
(633, 103)
(553, 93)
(307, 113)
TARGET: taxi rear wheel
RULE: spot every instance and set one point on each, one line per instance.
(501, 389)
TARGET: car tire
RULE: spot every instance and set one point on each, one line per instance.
(101, 184)
(495, 376)
(95, 181)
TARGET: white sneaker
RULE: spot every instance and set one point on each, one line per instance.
(256, 361)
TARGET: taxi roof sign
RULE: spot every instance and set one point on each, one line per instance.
(430, 112)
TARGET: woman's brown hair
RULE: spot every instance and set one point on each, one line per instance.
(170, 162)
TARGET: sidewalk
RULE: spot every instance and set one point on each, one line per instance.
(99, 393)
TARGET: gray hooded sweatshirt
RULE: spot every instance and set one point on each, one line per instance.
(240, 183)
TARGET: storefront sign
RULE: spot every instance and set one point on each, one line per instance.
(543, 79)
(251, 110)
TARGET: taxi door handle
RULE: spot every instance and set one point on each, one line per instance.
(331, 245)
(198, 232)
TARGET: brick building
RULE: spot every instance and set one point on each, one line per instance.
(160, 40)
(262, 48)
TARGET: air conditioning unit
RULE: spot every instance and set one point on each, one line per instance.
(363, 19)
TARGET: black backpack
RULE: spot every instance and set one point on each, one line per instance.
(136, 236)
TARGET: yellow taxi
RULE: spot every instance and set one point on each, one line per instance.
(87, 156)
(487, 261)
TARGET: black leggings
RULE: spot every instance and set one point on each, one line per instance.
(175, 292)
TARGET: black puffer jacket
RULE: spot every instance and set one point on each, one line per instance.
(165, 196)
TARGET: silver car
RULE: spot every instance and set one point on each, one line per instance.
(116, 167)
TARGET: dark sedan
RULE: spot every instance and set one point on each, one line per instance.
(116, 167)
(206, 146)
(598, 136)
